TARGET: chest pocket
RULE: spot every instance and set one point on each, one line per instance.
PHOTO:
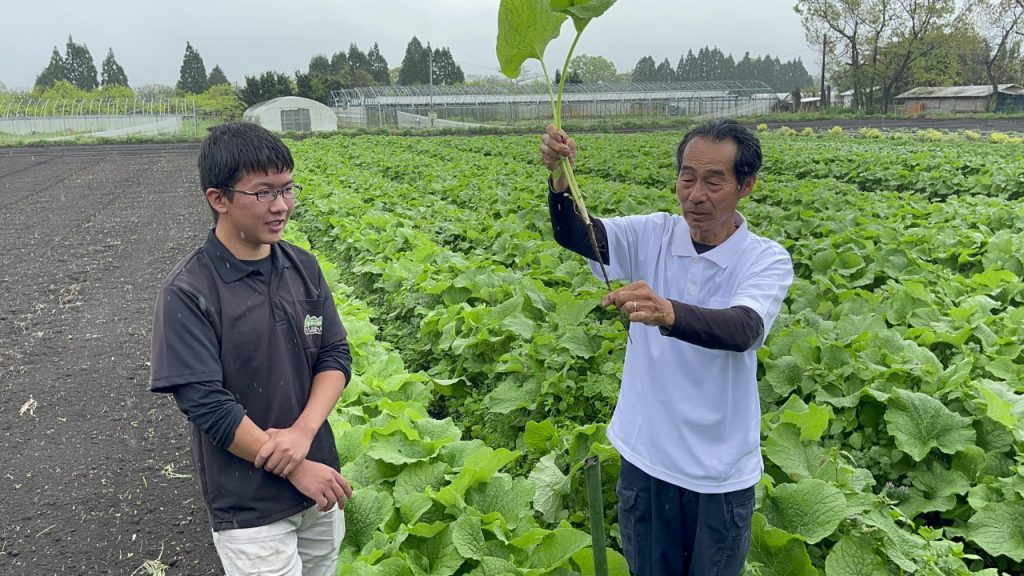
(309, 316)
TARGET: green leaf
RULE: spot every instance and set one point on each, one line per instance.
(479, 468)
(416, 478)
(919, 422)
(413, 507)
(510, 395)
(999, 529)
(1002, 404)
(823, 261)
(571, 312)
(510, 498)
(783, 375)
(854, 556)
(525, 27)
(468, 537)
(557, 547)
(811, 508)
(552, 486)
(777, 552)
(519, 325)
(784, 447)
(387, 567)
(617, 565)
(940, 482)
(812, 422)
(434, 556)
(365, 512)
(899, 546)
(579, 343)
(581, 11)
(491, 566)
(539, 436)
(397, 448)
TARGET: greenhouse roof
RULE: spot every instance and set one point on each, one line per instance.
(538, 92)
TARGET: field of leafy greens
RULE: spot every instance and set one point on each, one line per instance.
(891, 385)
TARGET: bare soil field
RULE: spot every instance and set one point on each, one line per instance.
(96, 475)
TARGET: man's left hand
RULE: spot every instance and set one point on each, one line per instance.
(285, 450)
(642, 304)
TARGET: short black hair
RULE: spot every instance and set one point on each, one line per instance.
(235, 149)
(748, 147)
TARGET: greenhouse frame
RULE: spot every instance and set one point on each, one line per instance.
(100, 117)
(507, 104)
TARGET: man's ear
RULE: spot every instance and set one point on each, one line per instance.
(748, 185)
(218, 200)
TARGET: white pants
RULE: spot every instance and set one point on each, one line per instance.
(304, 544)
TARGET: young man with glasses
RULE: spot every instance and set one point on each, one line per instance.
(247, 339)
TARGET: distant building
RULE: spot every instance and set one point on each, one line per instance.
(292, 114)
(1010, 97)
(845, 99)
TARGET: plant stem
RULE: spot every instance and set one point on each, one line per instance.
(566, 168)
(561, 81)
(592, 468)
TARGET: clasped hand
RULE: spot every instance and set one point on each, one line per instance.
(285, 450)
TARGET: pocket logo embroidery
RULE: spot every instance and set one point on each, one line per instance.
(313, 325)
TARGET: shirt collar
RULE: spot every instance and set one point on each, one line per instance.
(723, 254)
(231, 269)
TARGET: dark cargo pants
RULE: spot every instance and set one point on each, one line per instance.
(671, 531)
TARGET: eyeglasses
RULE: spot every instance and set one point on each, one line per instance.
(269, 194)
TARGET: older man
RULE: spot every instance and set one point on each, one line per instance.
(702, 295)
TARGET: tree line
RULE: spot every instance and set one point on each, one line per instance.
(710, 64)
(879, 48)
(76, 70)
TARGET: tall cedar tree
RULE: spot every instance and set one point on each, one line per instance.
(320, 79)
(217, 77)
(415, 66)
(359, 67)
(357, 60)
(378, 66)
(646, 70)
(192, 78)
(665, 72)
(53, 73)
(79, 66)
(446, 71)
(339, 67)
(113, 74)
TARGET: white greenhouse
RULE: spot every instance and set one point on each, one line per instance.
(292, 114)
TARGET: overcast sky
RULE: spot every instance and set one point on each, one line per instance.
(249, 37)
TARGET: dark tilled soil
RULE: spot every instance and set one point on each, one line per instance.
(96, 478)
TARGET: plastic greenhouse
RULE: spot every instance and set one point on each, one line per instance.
(292, 114)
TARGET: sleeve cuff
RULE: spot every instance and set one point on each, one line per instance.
(551, 187)
(677, 325)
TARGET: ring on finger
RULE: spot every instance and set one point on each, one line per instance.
(634, 305)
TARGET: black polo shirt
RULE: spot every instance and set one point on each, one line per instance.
(218, 319)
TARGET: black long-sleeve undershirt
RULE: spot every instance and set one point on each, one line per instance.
(734, 329)
(212, 408)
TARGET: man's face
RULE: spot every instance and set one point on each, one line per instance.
(708, 191)
(247, 226)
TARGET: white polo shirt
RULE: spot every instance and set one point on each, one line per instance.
(690, 415)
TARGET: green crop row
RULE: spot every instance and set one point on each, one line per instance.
(891, 385)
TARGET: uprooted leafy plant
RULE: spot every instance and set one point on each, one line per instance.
(525, 28)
